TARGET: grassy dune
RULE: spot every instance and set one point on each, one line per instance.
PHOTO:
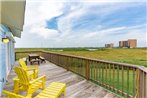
(132, 56)
(136, 56)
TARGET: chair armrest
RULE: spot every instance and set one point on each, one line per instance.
(43, 78)
(10, 94)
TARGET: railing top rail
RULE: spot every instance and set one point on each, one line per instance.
(26, 51)
(142, 68)
(96, 60)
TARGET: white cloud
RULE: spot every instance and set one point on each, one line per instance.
(44, 32)
(38, 12)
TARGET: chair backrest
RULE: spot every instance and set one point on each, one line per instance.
(12, 95)
(22, 64)
(22, 75)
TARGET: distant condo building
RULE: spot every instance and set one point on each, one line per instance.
(130, 43)
(109, 45)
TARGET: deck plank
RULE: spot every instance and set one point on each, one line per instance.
(77, 87)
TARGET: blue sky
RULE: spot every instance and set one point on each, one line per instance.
(83, 23)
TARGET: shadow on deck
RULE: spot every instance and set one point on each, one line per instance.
(77, 87)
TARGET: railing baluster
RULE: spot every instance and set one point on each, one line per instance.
(110, 76)
(94, 71)
(106, 74)
(97, 67)
(113, 78)
(83, 67)
(128, 82)
(133, 84)
(122, 80)
(102, 74)
(117, 78)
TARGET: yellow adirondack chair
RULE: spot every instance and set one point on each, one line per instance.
(24, 83)
(31, 70)
(13, 95)
(54, 90)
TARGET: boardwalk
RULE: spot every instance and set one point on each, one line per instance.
(77, 87)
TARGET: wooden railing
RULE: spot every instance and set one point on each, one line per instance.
(124, 79)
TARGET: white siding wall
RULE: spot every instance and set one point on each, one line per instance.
(2, 61)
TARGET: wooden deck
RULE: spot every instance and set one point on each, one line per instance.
(77, 87)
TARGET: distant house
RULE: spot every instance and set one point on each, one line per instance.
(130, 43)
(111, 45)
(11, 25)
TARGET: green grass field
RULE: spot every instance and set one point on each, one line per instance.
(136, 56)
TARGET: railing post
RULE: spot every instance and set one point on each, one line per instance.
(87, 70)
(141, 82)
(138, 81)
(67, 64)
